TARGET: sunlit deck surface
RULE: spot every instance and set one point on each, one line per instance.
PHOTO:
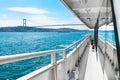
(94, 68)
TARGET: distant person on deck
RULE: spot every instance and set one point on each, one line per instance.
(92, 44)
(68, 75)
(92, 41)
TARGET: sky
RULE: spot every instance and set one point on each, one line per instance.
(37, 12)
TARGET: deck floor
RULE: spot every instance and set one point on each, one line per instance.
(94, 69)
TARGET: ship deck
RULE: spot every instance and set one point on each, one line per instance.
(91, 65)
(96, 66)
(94, 69)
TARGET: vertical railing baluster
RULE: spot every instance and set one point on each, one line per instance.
(64, 54)
(64, 65)
(54, 63)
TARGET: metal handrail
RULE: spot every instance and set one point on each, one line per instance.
(108, 42)
(74, 44)
(18, 57)
(53, 65)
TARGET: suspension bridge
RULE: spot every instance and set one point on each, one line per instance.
(26, 20)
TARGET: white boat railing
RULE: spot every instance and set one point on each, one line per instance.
(57, 70)
(18, 57)
(110, 51)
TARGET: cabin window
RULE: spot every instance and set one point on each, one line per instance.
(106, 33)
(117, 14)
(106, 41)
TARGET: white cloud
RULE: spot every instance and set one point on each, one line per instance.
(46, 20)
(9, 22)
(4, 16)
(108, 27)
(28, 10)
(38, 20)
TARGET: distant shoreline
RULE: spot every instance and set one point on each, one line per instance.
(35, 29)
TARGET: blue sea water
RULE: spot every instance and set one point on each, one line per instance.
(25, 42)
(108, 36)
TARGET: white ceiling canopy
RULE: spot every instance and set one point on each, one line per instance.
(89, 10)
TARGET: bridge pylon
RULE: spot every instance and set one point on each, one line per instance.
(24, 22)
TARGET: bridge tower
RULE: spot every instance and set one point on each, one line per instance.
(24, 22)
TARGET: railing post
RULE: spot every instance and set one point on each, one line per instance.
(76, 44)
(64, 54)
(54, 63)
(64, 65)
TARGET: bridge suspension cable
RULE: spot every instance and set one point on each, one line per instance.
(55, 24)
